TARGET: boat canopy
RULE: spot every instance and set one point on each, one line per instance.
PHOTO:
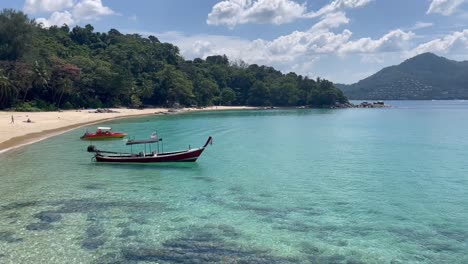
(145, 141)
(104, 128)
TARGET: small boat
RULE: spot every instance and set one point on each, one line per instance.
(103, 133)
(188, 155)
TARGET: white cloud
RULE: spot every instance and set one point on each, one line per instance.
(444, 7)
(76, 11)
(234, 12)
(332, 20)
(339, 5)
(57, 19)
(395, 40)
(90, 10)
(457, 42)
(420, 25)
(202, 47)
(36, 6)
(298, 44)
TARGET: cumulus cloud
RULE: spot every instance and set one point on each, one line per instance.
(312, 43)
(395, 40)
(444, 7)
(91, 10)
(83, 10)
(299, 44)
(36, 6)
(332, 20)
(339, 5)
(452, 43)
(234, 12)
(57, 19)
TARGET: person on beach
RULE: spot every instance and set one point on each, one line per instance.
(12, 120)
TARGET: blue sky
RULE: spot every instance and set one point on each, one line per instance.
(340, 40)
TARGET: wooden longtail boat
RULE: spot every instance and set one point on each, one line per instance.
(189, 155)
(103, 133)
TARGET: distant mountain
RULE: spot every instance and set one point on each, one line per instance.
(423, 77)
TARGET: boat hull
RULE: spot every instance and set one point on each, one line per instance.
(104, 137)
(190, 155)
(184, 156)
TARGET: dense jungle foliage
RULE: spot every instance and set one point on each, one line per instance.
(58, 67)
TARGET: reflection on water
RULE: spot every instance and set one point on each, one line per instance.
(281, 186)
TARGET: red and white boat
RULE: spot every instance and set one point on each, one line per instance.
(188, 155)
(103, 133)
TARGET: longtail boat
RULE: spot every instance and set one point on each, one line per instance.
(188, 155)
(103, 133)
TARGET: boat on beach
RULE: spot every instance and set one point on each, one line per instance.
(103, 133)
(188, 155)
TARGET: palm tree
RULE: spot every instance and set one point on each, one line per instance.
(7, 90)
(67, 87)
(41, 79)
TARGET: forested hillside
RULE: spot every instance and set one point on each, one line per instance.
(59, 67)
(424, 77)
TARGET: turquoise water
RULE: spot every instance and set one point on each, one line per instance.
(277, 186)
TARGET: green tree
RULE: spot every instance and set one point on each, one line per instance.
(21, 77)
(259, 94)
(15, 34)
(174, 86)
(241, 80)
(218, 59)
(7, 90)
(64, 75)
(285, 94)
(228, 96)
(205, 90)
(41, 77)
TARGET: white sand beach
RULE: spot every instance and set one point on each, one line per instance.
(47, 124)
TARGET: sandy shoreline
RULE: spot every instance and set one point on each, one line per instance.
(48, 124)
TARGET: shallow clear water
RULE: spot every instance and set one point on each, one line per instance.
(279, 186)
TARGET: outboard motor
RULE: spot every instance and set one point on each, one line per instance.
(92, 148)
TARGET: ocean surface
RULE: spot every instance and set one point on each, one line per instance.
(277, 186)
